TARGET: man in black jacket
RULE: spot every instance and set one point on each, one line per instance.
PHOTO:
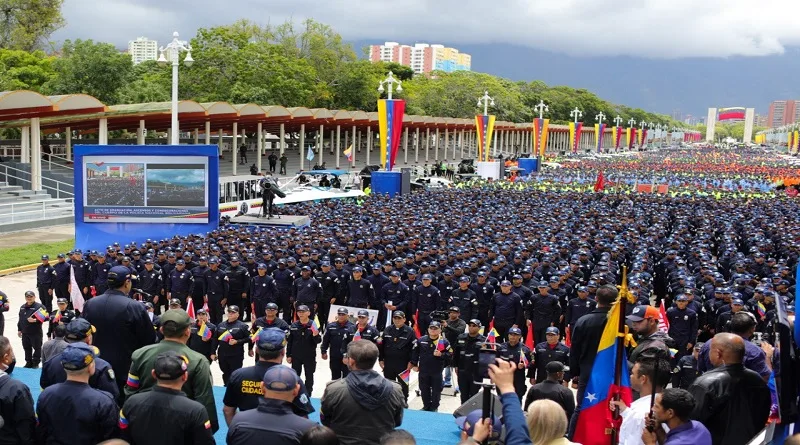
(16, 402)
(29, 327)
(552, 389)
(585, 340)
(165, 415)
(732, 402)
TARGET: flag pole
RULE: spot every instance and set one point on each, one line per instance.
(622, 300)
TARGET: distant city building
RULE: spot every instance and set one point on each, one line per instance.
(422, 57)
(782, 112)
(676, 115)
(761, 120)
(690, 120)
(142, 49)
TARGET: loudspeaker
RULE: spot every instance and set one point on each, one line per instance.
(476, 402)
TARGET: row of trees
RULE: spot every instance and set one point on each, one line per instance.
(291, 64)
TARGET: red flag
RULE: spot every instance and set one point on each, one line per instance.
(663, 321)
(529, 338)
(416, 324)
(568, 337)
(190, 309)
(600, 184)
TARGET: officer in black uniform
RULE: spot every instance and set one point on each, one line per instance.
(62, 316)
(333, 339)
(198, 343)
(306, 291)
(93, 415)
(238, 285)
(548, 351)
(80, 331)
(99, 275)
(544, 311)
(152, 283)
(514, 351)
(262, 290)
(46, 282)
(431, 354)
(29, 327)
(199, 289)
(216, 287)
(180, 283)
(395, 349)
(465, 299)
(62, 277)
(244, 388)
(330, 291)
(394, 296)
(165, 414)
(82, 273)
(270, 320)
(301, 350)
(283, 281)
(683, 326)
(685, 372)
(4, 307)
(506, 310)
(426, 299)
(465, 358)
(484, 292)
(232, 334)
(579, 306)
(360, 292)
(363, 331)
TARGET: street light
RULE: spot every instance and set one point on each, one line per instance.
(599, 117)
(172, 53)
(541, 108)
(390, 81)
(576, 113)
(485, 100)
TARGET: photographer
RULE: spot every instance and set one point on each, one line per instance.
(502, 375)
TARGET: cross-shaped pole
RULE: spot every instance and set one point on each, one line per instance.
(541, 108)
(390, 81)
(485, 101)
(617, 120)
(576, 113)
(631, 122)
(599, 117)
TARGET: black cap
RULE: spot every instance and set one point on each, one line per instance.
(399, 314)
(79, 329)
(303, 308)
(233, 308)
(118, 275)
(175, 302)
(342, 311)
(272, 306)
(170, 365)
(554, 367)
(61, 300)
(363, 313)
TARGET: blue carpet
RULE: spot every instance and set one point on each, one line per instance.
(428, 428)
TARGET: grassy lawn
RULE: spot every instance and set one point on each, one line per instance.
(32, 253)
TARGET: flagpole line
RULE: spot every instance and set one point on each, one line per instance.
(622, 300)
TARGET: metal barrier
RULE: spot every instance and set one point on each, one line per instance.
(61, 162)
(33, 211)
(59, 187)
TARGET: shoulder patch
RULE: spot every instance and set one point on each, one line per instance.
(111, 374)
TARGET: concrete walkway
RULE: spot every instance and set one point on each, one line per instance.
(40, 235)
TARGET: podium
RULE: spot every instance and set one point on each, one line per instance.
(489, 170)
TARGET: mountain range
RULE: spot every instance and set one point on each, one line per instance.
(688, 86)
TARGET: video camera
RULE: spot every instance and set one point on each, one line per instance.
(440, 316)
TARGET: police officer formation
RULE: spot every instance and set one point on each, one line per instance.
(524, 267)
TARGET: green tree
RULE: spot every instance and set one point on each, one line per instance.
(26, 24)
(150, 83)
(401, 72)
(22, 70)
(97, 69)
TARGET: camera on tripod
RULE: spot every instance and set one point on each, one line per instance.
(440, 316)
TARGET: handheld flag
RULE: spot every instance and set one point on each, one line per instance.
(75, 294)
(310, 155)
(529, 338)
(663, 320)
(205, 307)
(123, 422)
(440, 345)
(348, 153)
(600, 184)
(357, 335)
(315, 325)
(673, 352)
(41, 315)
(492, 337)
(204, 332)
(416, 324)
(609, 379)
(225, 336)
(190, 309)
(523, 359)
(254, 335)
(762, 310)
(405, 376)
(57, 317)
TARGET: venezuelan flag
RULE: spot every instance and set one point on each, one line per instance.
(133, 381)
(348, 153)
(204, 332)
(254, 336)
(357, 335)
(762, 310)
(595, 421)
(405, 376)
(523, 359)
(225, 336)
(315, 325)
(57, 317)
(492, 337)
(41, 315)
(207, 425)
(123, 422)
(440, 345)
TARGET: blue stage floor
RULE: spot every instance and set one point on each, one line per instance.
(428, 428)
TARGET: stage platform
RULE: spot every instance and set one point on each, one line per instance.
(280, 221)
(427, 428)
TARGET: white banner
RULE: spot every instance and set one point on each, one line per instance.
(353, 314)
(75, 292)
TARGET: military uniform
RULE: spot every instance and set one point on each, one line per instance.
(216, 287)
(514, 354)
(545, 353)
(685, 372)
(197, 386)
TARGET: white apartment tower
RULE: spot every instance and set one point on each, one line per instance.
(142, 49)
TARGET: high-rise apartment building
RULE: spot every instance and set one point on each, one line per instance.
(783, 112)
(142, 49)
(422, 57)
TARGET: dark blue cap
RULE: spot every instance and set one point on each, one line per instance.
(272, 339)
(517, 331)
(552, 330)
(77, 356)
(118, 275)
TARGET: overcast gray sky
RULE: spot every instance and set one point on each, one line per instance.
(650, 28)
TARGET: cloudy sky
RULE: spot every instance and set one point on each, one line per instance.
(648, 28)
